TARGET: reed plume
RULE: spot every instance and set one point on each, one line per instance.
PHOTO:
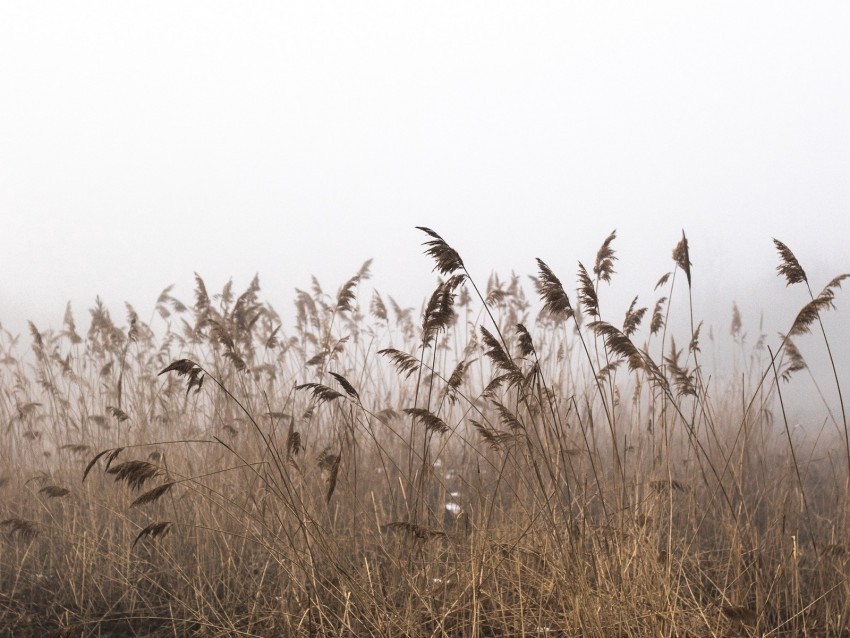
(554, 297)
(789, 267)
(447, 259)
(431, 421)
(605, 258)
(681, 255)
(154, 530)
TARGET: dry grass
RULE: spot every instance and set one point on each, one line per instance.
(483, 471)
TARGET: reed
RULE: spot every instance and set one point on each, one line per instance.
(498, 466)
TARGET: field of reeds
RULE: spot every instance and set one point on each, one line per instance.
(501, 462)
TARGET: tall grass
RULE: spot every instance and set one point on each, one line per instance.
(490, 465)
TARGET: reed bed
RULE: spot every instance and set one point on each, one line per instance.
(501, 462)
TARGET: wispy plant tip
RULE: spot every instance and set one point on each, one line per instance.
(447, 258)
(789, 267)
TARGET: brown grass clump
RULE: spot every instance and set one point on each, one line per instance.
(494, 465)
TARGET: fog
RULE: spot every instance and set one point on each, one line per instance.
(143, 142)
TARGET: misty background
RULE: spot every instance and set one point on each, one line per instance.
(143, 142)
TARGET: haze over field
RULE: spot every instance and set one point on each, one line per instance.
(305, 457)
(142, 143)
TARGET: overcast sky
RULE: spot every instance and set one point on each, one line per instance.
(143, 141)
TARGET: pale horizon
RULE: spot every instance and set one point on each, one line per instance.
(143, 143)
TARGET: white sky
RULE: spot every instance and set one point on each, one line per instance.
(143, 141)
